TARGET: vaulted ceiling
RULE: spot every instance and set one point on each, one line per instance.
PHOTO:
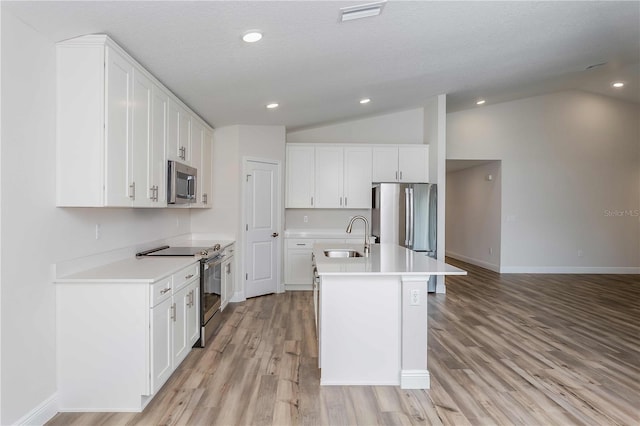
(318, 68)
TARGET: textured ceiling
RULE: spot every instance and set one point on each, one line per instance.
(318, 68)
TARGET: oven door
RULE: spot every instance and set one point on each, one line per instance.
(210, 296)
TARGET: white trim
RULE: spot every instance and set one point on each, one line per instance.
(481, 263)
(298, 287)
(347, 382)
(415, 379)
(570, 270)
(42, 413)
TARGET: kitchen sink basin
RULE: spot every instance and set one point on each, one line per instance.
(342, 253)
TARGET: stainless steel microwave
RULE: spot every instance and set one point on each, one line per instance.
(181, 185)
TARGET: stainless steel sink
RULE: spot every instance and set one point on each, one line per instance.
(342, 253)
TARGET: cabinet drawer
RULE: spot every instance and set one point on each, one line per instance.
(185, 275)
(160, 291)
(299, 244)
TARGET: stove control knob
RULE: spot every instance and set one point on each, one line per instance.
(204, 253)
(216, 247)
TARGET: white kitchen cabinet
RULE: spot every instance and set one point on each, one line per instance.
(157, 185)
(300, 178)
(116, 126)
(201, 147)
(205, 171)
(357, 177)
(179, 129)
(227, 284)
(298, 270)
(401, 163)
(120, 340)
(329, 176)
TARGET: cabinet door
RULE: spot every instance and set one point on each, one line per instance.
(180, 320)
(357, 177)
(300, 176)
(193, 312)
(329, 177)
(227, 282)
(178, 133)
(197, 136)
(413, 163)
(161, 348)
(118, 134)
(157, 153)
(298, 267)
(385, 164)
(143, 195)
(204, 173)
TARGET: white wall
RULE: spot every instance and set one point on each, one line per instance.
(232, 144)
(35, 234)
(569, 160)
(400, 127)
(473, 215)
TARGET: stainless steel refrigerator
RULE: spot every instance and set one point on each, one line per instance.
(406, 214)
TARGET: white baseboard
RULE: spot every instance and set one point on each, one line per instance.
(415, 379)
(481, 263)
(298, 287)
(42, 413)
(570, 270)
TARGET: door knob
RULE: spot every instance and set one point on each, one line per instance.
(275, 234)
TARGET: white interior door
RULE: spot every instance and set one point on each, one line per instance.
(262, 228)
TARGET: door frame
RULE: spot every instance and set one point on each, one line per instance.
(279, 220)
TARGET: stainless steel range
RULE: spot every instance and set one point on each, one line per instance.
(211, 259)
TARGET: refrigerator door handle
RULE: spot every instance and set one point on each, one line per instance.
(406, 217)
(409, 218)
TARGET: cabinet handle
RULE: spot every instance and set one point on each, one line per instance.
(340, 201)
(400, 175)
(300, 244)
(188, 276)
(156, 192)
(345, 201)
(190, 302)
(396, 175)
(312, 201)
(204, 198)
(132, 191)
(173, 312)
(165, 290)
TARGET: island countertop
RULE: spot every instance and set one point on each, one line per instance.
(384, 259)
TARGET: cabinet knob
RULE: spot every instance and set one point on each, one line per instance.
(275, 234)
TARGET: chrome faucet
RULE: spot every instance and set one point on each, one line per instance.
(367, 245)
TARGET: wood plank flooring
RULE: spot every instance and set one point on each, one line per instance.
(503, 349)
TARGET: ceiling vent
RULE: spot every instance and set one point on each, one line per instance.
(362, 11)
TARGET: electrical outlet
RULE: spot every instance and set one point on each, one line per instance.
(580, 253)
(98, 231)
(177, 223)
(305, 219)
(490, 250)
(415, 297)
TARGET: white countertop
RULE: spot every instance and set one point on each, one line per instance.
(384, 259)
(133, 270)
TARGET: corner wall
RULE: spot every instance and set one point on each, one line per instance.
(570, 179)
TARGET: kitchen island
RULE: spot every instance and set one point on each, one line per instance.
(371, 314)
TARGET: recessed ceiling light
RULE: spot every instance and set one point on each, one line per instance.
(480, 102)
(365, 101)
(272, 105)
(252, 36)
(361, 11)
(618, 84)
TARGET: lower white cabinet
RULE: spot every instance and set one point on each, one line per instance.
(119, 341)
(227, 279)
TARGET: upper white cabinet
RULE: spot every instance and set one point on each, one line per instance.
(205, 171)
(342, 176)
(404, 163)
(179, 142)
(116, 127)
(300, 176)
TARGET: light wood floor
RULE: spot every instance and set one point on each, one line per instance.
(503, 349)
